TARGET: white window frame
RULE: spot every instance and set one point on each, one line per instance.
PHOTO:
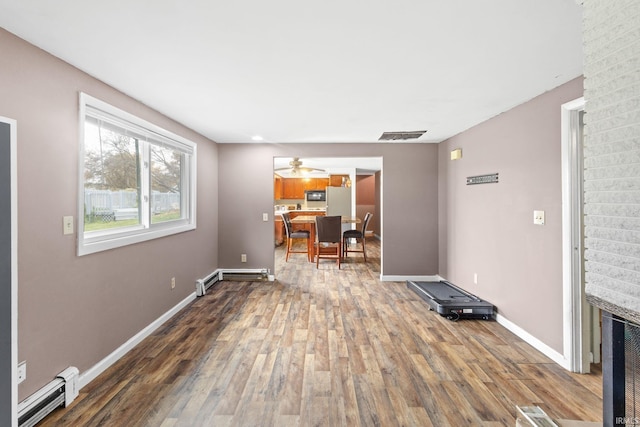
(96, 241)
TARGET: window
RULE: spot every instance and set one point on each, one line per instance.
(137, 180)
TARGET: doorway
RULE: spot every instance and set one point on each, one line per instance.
(329, 171)
(582, 336)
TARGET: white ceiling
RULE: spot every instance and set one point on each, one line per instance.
(328, 71)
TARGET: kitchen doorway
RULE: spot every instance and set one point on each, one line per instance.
(295, 175)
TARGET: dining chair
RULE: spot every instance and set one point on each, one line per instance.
(358, 235)
(328, 237)
(297, 234)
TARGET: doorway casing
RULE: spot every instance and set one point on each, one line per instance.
(581, 328)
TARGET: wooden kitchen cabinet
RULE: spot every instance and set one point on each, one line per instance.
(277, 187)
(292, 188)
(315, 183)
(336, 180)
(279, 231)
(320, 183)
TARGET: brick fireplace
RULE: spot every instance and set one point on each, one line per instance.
(611, 37)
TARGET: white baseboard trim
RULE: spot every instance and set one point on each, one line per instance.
(90, 374)
(534, 342)
(398, 278)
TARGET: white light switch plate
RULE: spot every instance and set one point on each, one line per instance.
(67, 225)
(538, 217)
(22, 371)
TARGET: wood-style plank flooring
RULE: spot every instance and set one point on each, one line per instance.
(327, 347)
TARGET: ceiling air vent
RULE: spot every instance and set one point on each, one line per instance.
(403, 136)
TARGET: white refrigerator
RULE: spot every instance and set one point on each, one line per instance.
(339, 203)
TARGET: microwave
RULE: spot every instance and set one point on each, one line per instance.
(316, 195)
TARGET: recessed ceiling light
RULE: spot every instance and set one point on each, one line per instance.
(257, 138)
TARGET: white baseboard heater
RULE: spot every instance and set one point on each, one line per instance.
(249, 274)
(203, 284)
(59, 392)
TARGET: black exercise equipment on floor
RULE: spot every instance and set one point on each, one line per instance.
(450, 301)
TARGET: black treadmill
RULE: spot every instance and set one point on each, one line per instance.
(450, 301)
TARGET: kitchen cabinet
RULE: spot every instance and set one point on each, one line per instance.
(279, 231)
(315, 183)
(294, 188)
(336, 180)
(277, 187)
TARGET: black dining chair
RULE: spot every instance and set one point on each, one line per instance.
(358, 235)
(297, 234)
(328, 237)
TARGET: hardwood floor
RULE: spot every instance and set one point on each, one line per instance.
(327, 347)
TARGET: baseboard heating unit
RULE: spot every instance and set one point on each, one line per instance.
(244, 275)
(203, 284)
(251, 275)
(59, 392)
(450, 301)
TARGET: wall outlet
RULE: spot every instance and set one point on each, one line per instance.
(173, 283)
(538, 217)
(67, 225)
(243, 258)
(22, 371)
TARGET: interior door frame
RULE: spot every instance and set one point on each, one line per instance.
(13, 326)
(578, 331)
(353, 173)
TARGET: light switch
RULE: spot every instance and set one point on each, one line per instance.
(67, 225)
(265, 216)
(538, 217)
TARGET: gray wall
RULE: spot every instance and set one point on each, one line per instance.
(488, 229)
(409, 202)
(612, 155)
(76, 310)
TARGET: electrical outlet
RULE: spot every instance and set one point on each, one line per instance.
(243, 258)
(173, 283)
(67, 225)
(538, 217)
(22, 371)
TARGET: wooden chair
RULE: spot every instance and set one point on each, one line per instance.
(297, 234)
(358, 235)
(328, 236)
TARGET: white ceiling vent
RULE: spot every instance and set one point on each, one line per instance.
(403, 136)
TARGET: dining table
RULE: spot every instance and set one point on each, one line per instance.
(311, 220)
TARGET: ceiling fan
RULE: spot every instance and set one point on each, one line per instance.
(296, 169)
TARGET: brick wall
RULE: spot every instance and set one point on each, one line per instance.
(612, 155)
